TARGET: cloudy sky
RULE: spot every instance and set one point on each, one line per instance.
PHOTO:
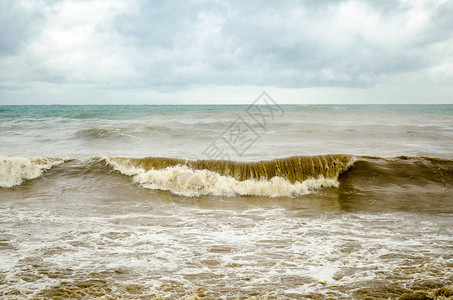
(164, 52)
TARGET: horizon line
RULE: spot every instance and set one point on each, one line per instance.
(222, 104)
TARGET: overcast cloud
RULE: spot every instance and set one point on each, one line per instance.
(102, 52)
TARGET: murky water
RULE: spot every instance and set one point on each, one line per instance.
(83, 229)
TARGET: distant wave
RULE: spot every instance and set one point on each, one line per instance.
(14, 170)
(99, 133)
(133, 132)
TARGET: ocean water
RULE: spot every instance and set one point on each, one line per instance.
(225, 202)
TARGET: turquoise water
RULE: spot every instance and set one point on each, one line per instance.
(186, 131)
(114, 112)
(121, 112)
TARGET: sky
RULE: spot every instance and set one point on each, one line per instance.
(225, 52)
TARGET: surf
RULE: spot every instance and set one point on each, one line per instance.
(292, 176)
(352, 176)
(15, 170)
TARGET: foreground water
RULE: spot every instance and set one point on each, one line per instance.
(78, 221)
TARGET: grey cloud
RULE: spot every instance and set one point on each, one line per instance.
(17, 25)
(259, 43)
(156, 24)
(266, 50)
(310, 54)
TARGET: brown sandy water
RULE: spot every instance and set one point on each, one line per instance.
(83, 229)
(132, 224)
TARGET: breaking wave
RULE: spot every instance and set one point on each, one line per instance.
(291, 176)
(282, 177)
(14, 170)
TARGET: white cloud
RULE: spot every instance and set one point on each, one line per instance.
(111, 49)
(78, 44)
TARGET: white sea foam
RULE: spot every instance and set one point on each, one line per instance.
(14, 170)
(182, 180)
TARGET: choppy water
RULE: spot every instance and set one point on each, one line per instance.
(80, 218)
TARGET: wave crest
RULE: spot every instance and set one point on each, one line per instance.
(98, 133)
(14, 170)
(291, 176)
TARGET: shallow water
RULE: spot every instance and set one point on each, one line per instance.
(81, 228)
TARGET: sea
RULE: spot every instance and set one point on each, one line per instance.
(256, 201)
